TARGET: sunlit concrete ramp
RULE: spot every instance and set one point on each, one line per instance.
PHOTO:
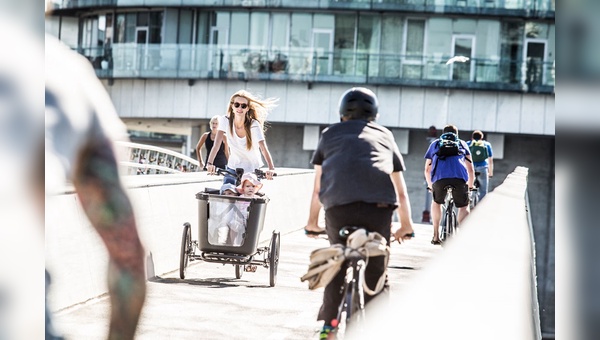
(481, 285)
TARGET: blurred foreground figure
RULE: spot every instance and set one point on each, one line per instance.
(81, 125)
(21, 171)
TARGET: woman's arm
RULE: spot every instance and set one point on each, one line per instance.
(213, 153)
(267, 155)
(199, 147)
(226, 148)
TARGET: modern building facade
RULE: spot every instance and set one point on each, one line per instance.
(171, 65)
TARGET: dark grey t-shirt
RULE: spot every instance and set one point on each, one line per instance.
(357, 158)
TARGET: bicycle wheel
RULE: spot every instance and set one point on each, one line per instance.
(474, 198)
(454, 223)
(186, 249)
(239, 270)
(448, 231)
(274, 258)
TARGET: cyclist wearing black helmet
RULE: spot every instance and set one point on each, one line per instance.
(358, 176)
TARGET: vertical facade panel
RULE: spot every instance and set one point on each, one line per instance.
(127, 94)
(276, 90)
(550, 118)
(460, 109)
(484, 111)
(296, 105)
(411, 107)
(509, 112)
(150, 99)
(166, 91)
(389, 105)
(199, 103)
(318, 103)
(181, 99)
(435, 108)
(532, 114)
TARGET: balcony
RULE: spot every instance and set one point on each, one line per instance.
(520, 8)
(182, 61)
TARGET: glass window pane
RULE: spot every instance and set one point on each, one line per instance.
(324, 21)
(391, 34)
(368, 45)
(156, 28)
(368, 33)
(281, 23)
(120, 29)
(511, 49)
(185, 27)
(391, 45)
(415, 35)
(345, 26)
(301, 30)
(221, 19)
(130, 24)
(142, 19)
(536, 30)
(259, 30)
(239, 29)
(203, 28)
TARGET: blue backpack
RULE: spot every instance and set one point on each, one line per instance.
(448, 145)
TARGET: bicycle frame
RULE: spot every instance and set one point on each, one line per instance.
(353, 301)
(354, 298)
(448, 225)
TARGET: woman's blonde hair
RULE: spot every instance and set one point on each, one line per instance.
(215, 118)
(258, 109)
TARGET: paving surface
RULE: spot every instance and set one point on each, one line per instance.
(211, 304)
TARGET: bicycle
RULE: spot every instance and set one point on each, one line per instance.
(242, 255)
(351, 311)
(474, 197)
(449, 224)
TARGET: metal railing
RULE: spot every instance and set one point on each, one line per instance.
(526, 5)
(190, 61)
(144, 159)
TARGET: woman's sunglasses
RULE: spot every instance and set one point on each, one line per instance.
(236, 105)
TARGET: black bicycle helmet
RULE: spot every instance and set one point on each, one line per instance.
(359, 103)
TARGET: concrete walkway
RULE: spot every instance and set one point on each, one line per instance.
(211, 304)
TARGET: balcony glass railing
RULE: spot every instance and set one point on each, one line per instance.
(529, 5)
(313, 65)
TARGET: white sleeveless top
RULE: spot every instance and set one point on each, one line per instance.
(239, 156)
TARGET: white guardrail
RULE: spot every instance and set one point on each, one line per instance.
(142, 159)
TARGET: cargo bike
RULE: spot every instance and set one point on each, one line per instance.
(241, 248)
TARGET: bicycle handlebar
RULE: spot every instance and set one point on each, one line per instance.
(239, 172)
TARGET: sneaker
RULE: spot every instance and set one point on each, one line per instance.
(327, 333)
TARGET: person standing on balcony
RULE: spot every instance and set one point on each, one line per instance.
(243, 126)
(208, 140)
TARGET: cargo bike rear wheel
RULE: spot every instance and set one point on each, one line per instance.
(186, 249)
(274, 257)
